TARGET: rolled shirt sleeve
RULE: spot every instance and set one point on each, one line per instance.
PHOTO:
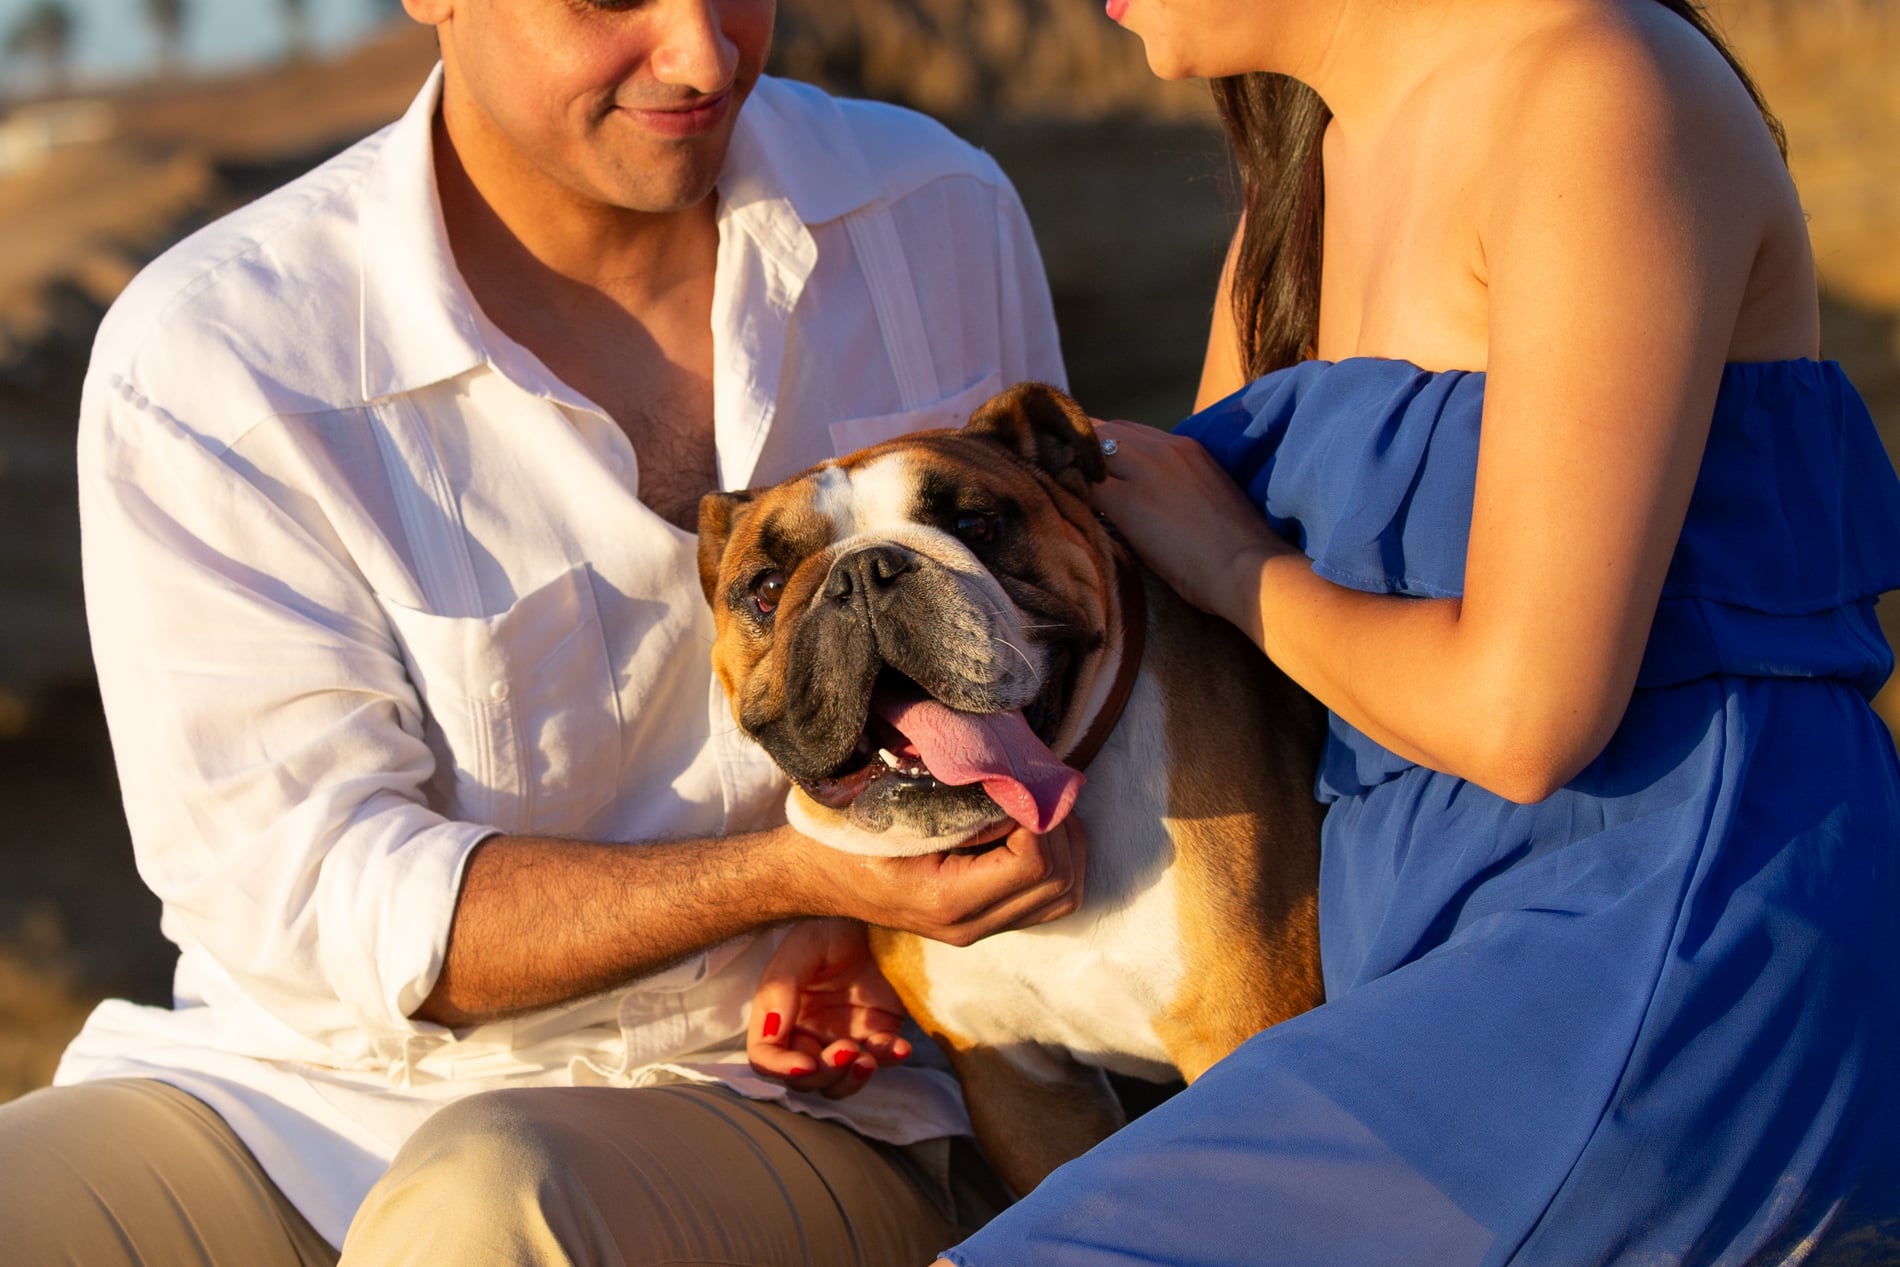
(269, 741)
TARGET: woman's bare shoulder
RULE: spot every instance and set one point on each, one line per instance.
(1624, 119)
(1627, 82)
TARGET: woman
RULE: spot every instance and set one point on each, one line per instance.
(1610, 870)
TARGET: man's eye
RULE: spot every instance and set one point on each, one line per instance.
(766, 592)
(975, 527)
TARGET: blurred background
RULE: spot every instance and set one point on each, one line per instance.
(125, 124)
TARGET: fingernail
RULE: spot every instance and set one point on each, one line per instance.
(801, 1071)
(861, 1072)
(771, 1024)
(839, 1059)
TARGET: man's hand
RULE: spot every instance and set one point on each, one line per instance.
(961, 898)
(824, 1018)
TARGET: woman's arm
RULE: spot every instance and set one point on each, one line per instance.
(1628, 204)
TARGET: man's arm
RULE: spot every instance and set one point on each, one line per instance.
(539, 920)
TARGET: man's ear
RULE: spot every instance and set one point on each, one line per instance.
(1046, 428)
(719, 515)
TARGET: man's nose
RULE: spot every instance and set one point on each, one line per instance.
(694, 51)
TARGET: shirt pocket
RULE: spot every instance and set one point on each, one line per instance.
(952, 411)
(520, 708)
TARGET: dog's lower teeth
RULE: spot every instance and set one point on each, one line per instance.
(889, 758)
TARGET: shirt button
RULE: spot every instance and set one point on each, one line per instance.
(498, 692)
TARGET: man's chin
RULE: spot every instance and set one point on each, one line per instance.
(656, 191)
(833, 829)
(656, 175)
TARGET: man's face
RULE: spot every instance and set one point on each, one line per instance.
(623, 103)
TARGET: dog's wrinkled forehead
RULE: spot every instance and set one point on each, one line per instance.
(1027, 453)
(899, 489)
(828, 505)
(877, 496)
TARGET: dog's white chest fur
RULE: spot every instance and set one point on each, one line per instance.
(1093, 982)
(1069, 985)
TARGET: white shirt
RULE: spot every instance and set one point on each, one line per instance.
(368, 584)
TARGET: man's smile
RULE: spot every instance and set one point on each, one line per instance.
(685, 120)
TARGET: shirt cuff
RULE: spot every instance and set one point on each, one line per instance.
(402, 879)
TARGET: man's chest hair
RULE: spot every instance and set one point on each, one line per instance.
(672, 438)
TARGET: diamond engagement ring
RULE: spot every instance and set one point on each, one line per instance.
(1110, 448)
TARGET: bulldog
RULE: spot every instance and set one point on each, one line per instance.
(935, 636)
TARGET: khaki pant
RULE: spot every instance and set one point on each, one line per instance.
(137, 1172)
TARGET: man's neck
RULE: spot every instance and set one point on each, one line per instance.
(524, 243)
(616, 304)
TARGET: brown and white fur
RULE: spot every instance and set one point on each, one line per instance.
(969, 562)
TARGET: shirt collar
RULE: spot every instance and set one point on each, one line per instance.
(419, 322)
(792, 148)
(418, 319)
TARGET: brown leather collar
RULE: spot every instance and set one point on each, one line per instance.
(1134, 605)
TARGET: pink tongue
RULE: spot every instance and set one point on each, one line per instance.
(998, 750)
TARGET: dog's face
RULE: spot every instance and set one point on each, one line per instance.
(906, 630)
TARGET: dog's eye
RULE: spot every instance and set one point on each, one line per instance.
(766, 591)
(975, 527)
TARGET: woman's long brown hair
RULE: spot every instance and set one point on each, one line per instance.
(1274, 125)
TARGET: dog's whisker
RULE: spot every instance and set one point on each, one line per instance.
(1035, 673)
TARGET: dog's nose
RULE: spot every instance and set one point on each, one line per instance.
(869, 571)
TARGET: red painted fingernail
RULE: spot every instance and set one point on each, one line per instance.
(861, 1072)
(801, 1071)
(771, 1024)
(839, 1059)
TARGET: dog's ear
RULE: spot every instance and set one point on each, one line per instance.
(1046, 427)
(719, 516)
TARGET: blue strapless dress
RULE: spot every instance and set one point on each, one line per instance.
(1653, 1019)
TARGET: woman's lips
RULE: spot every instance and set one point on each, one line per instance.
(682, 122)
(1116, 9)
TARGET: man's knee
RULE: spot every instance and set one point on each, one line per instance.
(670, 1175)
(492, 1172)
(132, 1171)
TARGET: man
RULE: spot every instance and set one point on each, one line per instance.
(386, 487)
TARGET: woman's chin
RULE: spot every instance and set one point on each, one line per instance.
(1172, 71)
(1165, 59)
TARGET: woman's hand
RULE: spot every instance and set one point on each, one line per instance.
(824, 1018)
(1188, 520)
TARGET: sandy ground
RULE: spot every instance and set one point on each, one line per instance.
(1129, 210)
